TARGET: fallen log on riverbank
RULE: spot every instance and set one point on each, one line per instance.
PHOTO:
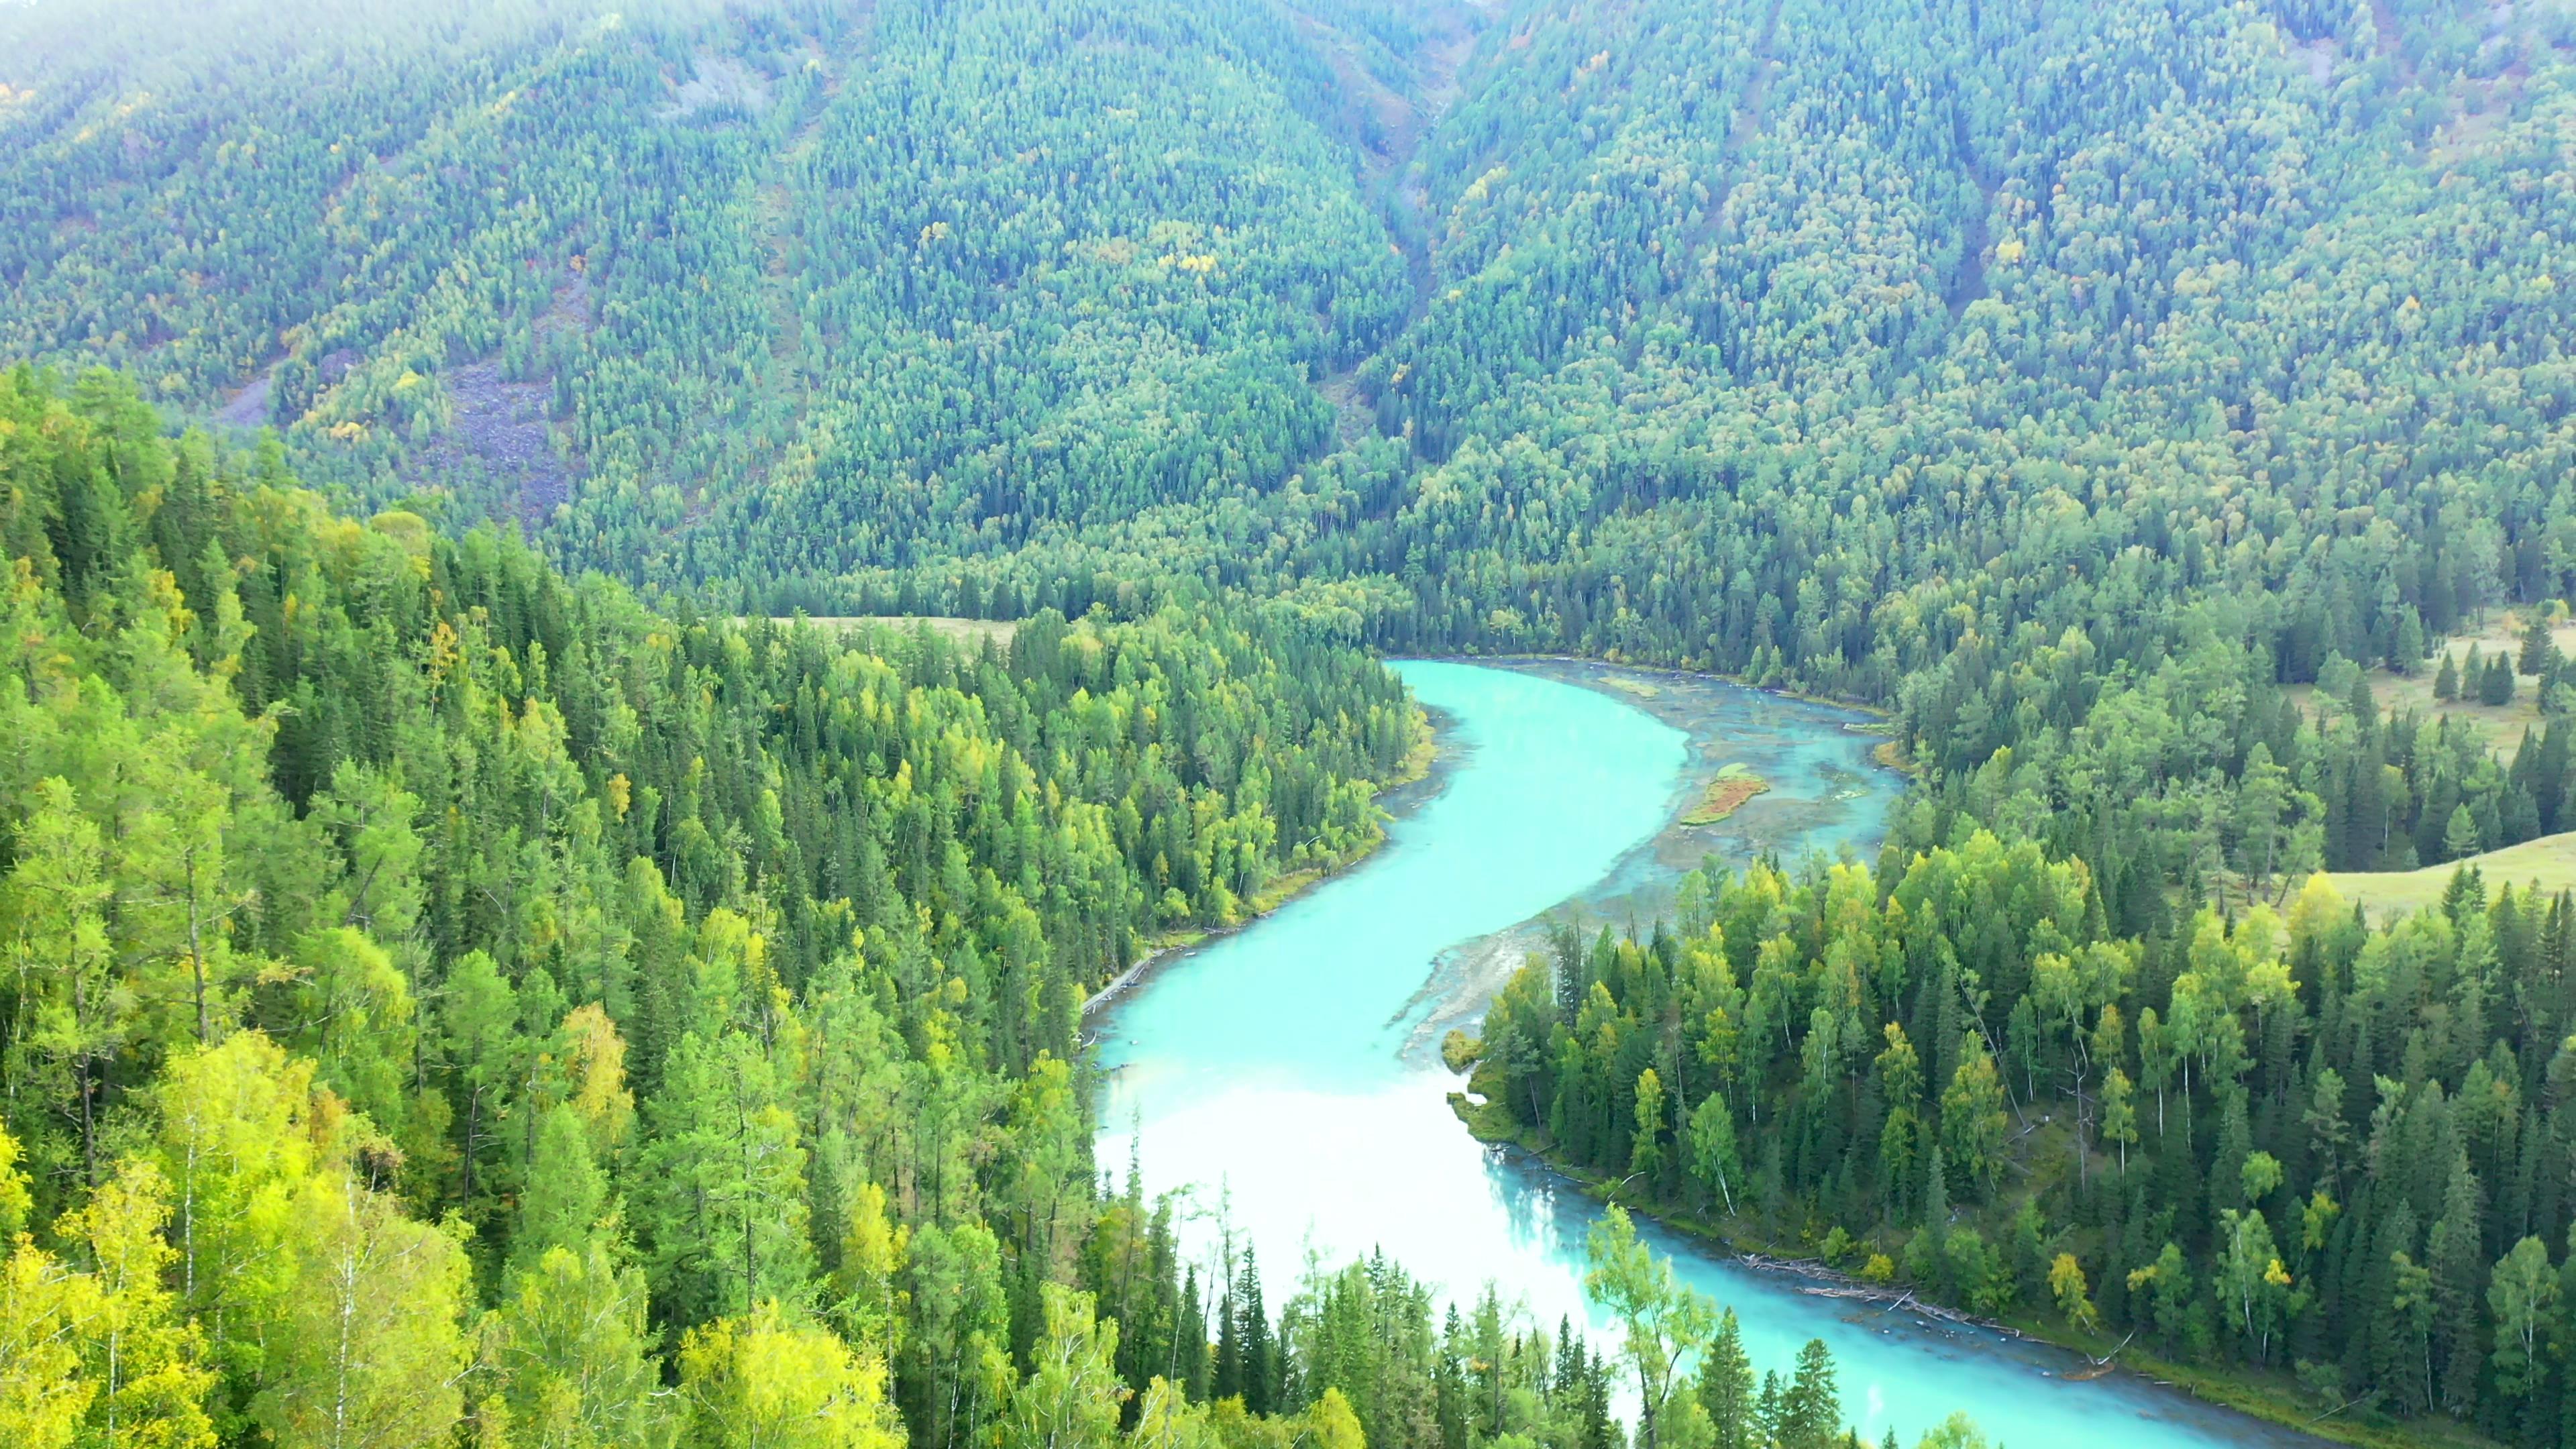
(1824, 1282)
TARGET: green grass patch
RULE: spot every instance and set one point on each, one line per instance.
(2549, 861)
(966, 633)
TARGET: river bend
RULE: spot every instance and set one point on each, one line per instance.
(1289, 1072)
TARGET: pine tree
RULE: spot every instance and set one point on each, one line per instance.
(1226, 1376)
(1571, 1374)
(2460, 836)
(2408, 649)
(2495, 687)
(1260, 1356)
(1451, 1395)
(2453, 1255)
(2446, 680)
(1599, 1430)
(1768, 1409)
(2405, 1347)
(1811, 1408)
(955, 1355)
(1726, 1385)
(566, 1197)
(1193, 1365)
(479, 1038)
(722, 1200)
(2536, 646)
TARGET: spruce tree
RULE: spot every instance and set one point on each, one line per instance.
(1598, 1432)
(1226, 1382)
(2536, 646)
(566, 1197)
(1726, 1385)
(2408, 650)
(2454, 1254)
(1567, 1380)
(2460, 834)
(1260, 1356)
(2497, 687)
(1191, 1366)
(1450, 1408)
(1811, 1409)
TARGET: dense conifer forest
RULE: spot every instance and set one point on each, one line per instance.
(453, 1004)
(399, 931)
(482, 970)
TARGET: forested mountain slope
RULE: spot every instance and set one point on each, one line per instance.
(1993, 314)
(760, 291)
(1807, 340)
(396, 931)
(2083, 382)
(447, 1003)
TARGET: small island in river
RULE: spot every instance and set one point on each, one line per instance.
(1725, 795)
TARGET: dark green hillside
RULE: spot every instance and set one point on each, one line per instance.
(445, 999)
(2161, 410)
(765, 292)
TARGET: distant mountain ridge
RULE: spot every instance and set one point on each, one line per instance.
(1485, 326)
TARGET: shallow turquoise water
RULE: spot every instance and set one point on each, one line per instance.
(1284, 1073)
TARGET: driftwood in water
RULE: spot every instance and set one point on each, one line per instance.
(1824, 1282)
(2101, 1362)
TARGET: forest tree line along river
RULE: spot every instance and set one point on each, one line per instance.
(1289, 1073)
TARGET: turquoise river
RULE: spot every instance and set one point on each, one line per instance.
(1289, 1073)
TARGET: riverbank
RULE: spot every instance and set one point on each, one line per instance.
(1888, 754)
(2272, 1401)
(1855, 706)
(2275, 1400)
(1279, 1075)
(1278, 892)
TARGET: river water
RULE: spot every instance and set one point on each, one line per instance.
(1289, 1074)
